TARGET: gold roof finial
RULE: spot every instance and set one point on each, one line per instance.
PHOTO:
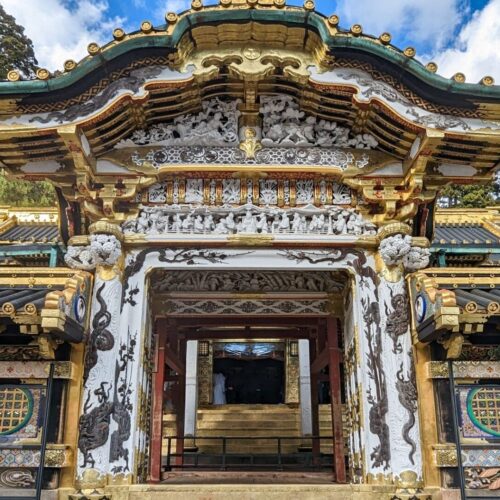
(118, 34)
(432, 67)
(459, 77)
(309, 5)
(197, 5)
(487, 80)
(385, 38)
(13, 75)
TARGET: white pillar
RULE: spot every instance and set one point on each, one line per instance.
(305, 387)
(191, 388)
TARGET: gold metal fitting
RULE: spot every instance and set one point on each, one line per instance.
(385, 38)
(393, 228)
(118, 34)
(356, 29)
(146, 27)
(226, 3)
(334, 20)
(103, 226)
(171, 17)
(279, 3)
(13, 75)
(69, 65)
(309, 5)
(42, 74)
(252, 3)
(487, 80)
(459, 77)
(432, 67)
(409, 52)
(93, 48)
(197, 5)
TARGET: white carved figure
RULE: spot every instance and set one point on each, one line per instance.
(417, 258)
(208, 223)
(395, 248)
(104, 249)
(261, 224)
(199, 226)
(215, 125)
(285, 125)
(80, 258)
(248, 223)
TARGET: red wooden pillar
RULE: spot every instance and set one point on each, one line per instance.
(335, 396)
(157, 411)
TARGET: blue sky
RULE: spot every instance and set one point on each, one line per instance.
(460, 35)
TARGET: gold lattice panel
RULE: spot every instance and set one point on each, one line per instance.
(16, 408)
(484, 409)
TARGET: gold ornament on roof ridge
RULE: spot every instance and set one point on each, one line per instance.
(42, 74)
(356, 29)
(459, 77)
(197, 5)
(118, 34)
(93, 48)
(487, 80)
(409, 52)
(13, 75)
(431, 66)
(334, 20)
(309, 5)
(69, 65)
(385, 38)
(171, 17)
(146, 27)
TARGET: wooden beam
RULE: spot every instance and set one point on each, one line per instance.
(322, 360)
(281, 320)
(173, 361)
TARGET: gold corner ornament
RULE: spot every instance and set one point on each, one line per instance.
(250, 145)
(104, 226)
(393, 228)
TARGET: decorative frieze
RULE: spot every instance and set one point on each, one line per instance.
(222, 306)
(35, 369)
(248, 219)
(268, 192)
(465, 369)
(56, 456)
(246, 281)
(335, 158)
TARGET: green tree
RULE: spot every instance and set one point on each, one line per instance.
(469, 196)
(16, 49)
(26, 193)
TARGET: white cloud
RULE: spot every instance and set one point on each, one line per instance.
(426, 21)
(476, 51)
(60, 33)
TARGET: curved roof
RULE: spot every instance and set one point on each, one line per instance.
(339, 43)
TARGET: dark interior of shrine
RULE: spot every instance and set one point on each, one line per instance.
(252, 381)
